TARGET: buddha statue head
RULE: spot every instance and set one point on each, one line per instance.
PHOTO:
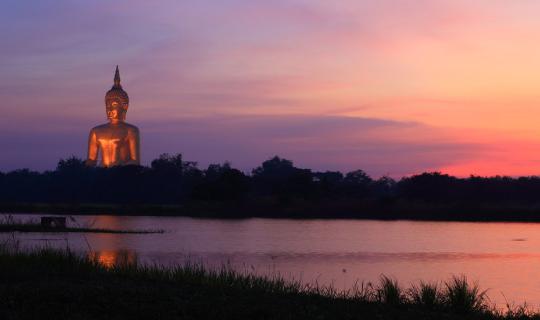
(116, 101)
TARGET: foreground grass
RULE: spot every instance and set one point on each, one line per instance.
(52, 284)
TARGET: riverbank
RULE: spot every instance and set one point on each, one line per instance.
(44, 284)
(297, 209)
(32, 227)
(9, 224)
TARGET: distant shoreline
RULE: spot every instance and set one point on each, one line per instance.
(275, 189)
(314, 210)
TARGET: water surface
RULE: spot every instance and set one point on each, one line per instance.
(502, 257)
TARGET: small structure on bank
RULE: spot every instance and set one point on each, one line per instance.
(53, 222)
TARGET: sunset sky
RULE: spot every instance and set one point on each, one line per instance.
(390, 87)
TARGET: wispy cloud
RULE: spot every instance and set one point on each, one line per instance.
(387, 85)
(319, 142)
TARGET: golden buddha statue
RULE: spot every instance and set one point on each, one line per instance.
(116, 141)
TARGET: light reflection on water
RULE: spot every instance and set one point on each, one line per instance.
(502, 257)
(111, 258)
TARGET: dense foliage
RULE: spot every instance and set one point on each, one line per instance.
(277, 183)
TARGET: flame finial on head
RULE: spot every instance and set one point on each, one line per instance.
(117, 77)
(117, 92)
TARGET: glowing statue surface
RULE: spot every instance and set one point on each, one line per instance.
(116, 141)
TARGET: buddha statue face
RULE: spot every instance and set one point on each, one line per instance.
(116, 101)
(116, 110)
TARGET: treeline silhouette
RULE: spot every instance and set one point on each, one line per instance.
(276, 188)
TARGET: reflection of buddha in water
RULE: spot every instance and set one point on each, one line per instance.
(116, 141)
(114, 258)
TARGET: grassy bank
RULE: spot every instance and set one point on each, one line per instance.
(36, 227)
(9, 224)
(45, 284)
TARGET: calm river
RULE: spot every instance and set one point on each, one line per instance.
(502, 257)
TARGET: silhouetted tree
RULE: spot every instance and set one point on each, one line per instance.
(357, 183)
(384, 187)
(279, 177)
(171, 180)
(329, 182)
(429, 186)
(221, 182)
